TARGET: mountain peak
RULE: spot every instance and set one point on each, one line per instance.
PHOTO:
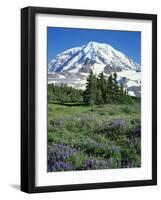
(93, 43)
(89, 56)
(99, 44)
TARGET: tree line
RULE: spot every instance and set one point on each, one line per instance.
(64, 93)
(102, 90)
(99, 90)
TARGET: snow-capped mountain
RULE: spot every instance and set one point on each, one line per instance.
(95, 56)
(73, 66)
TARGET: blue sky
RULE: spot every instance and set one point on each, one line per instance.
(61, 39)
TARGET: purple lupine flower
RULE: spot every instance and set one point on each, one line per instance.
(60, 152)
(118, 122)
(116, 149)
(97, 164)
(57, 157)
(60, 166)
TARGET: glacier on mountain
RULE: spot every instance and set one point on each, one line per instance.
(72, 66)
(78, 58)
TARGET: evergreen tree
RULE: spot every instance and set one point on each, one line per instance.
(102, 87)
(98, 91)
(64, 93)
(128, 99)
(110, 89)
(116, 89)
(91, 89)
(122, 94)
(99, 99)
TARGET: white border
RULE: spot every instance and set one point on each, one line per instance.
(91, 176)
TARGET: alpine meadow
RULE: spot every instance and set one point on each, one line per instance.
(94, 100)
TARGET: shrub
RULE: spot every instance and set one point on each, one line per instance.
(126, 109)
(111, 112)
(82, 124)
(102, 113)
(97, 164)
(77, 160)
(100, 138)
(129, 157)
(113, 129)
(99, 149)
(57, 124)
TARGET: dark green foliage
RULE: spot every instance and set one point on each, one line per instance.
(90, 93)
(78, 160)
(101, 86)
(99, 90)
(63, 93)
(102, 91)
(99, 97)
(110, 89)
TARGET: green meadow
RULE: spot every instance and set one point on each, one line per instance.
(98, 128)
(84, 137)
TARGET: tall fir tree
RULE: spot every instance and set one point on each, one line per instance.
(102, 83)
(110, 89)
(121, 94)
(99, 99)
(116, 89)
(91, 89)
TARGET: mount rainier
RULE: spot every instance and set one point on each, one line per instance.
(72, 66)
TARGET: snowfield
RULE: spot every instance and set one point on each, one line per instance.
(72, 66)
(93, 52)
(131, 74)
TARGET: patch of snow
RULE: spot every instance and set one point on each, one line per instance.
(61, 76)
(50, 82)
(132, 83)
(97, 68)
(84, 74)
(131, 74)
(131, 93)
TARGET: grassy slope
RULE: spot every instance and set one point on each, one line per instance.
(107, 112)
(85, 130)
